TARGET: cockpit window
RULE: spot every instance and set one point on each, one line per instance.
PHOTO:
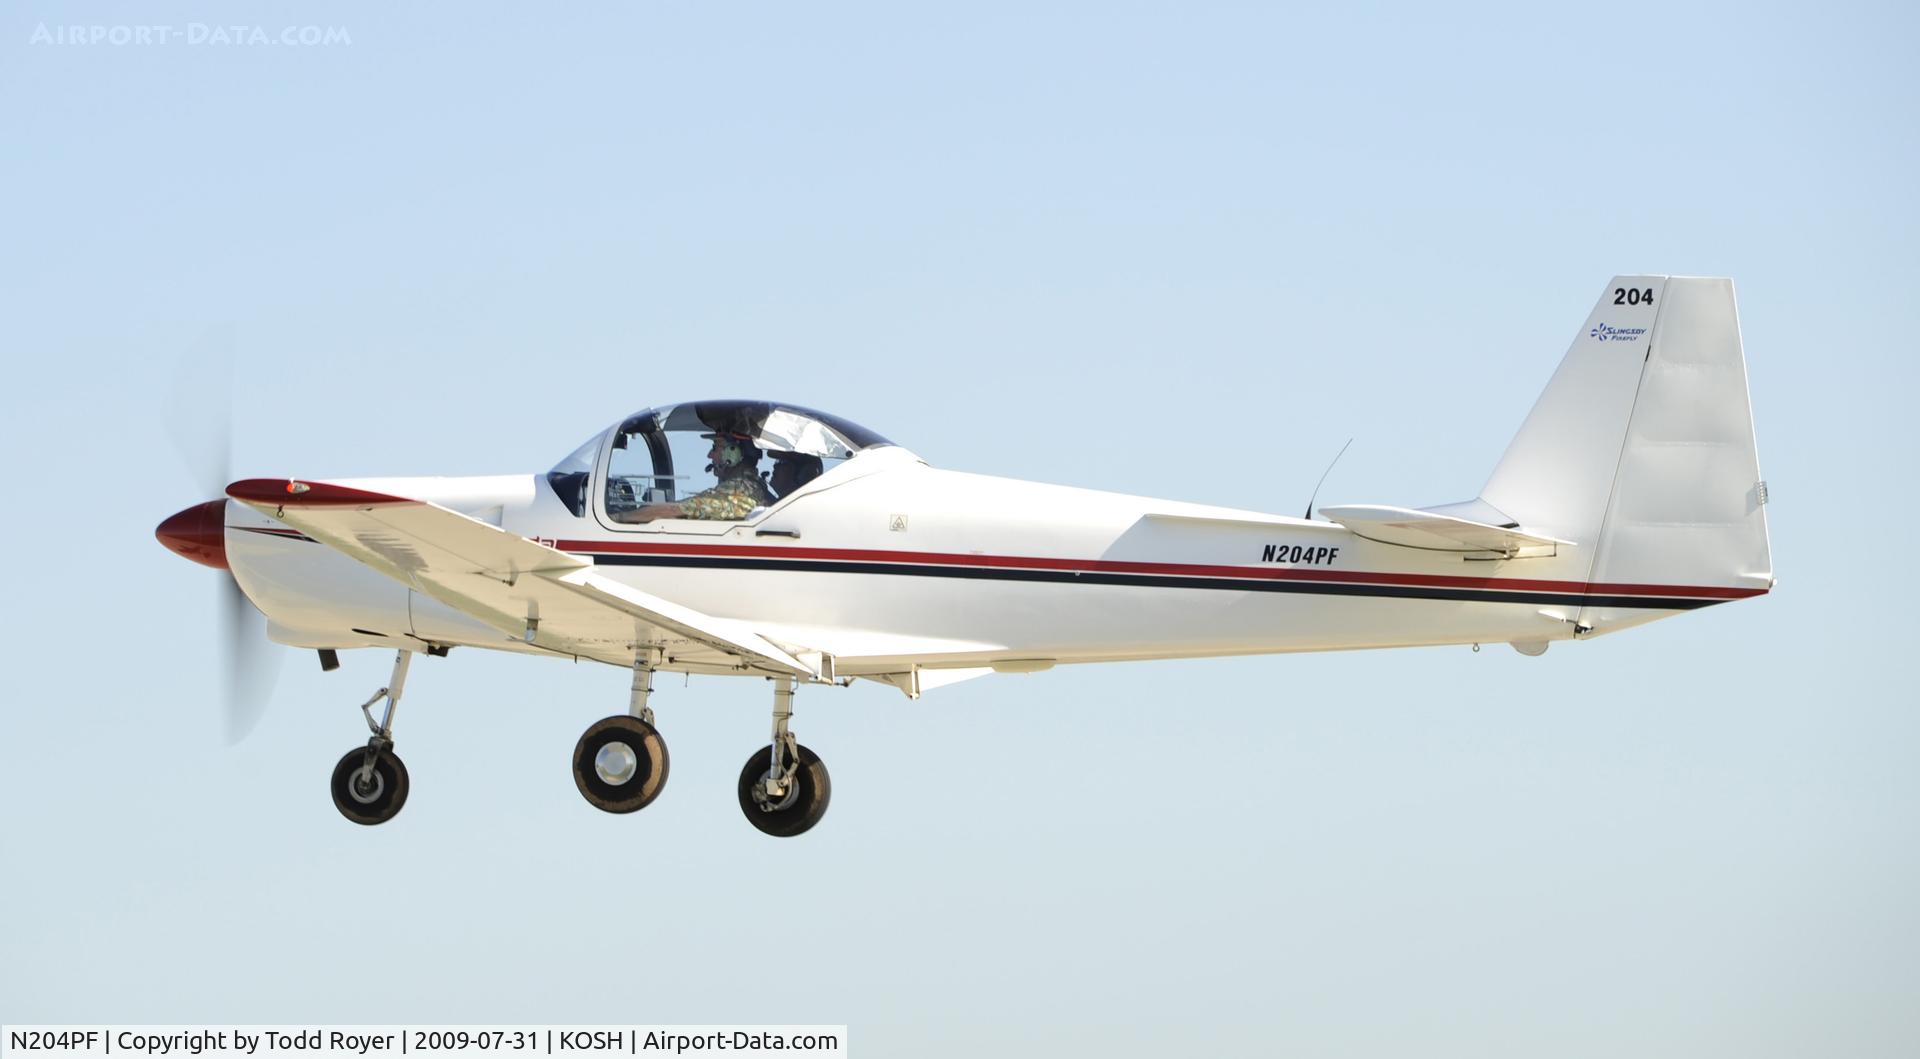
(568, 479)
(722, 460)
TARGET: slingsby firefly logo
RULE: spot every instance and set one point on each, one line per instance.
(1616, 334)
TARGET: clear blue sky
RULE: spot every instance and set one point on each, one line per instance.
(1065, 245)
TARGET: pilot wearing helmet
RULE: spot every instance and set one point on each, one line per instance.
(736, 461)
(791, 470)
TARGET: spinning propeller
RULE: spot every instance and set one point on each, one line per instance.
(200, 423)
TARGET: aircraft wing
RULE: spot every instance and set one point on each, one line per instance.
(1414, 528)
(528, 591)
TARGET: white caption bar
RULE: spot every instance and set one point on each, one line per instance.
(428, 1042)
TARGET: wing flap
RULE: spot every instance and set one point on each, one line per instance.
(918, 680)
(684, 623)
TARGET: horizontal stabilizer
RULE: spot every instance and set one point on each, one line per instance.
(1413, 528)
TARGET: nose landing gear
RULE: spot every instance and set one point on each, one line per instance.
(370, 786)
(370, 783)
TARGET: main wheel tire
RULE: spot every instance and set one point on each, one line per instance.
(620, 764)
(809, 802)
(374, 798)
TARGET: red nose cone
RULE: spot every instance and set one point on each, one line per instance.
(199, 533)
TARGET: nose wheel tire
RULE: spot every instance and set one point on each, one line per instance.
(369, 795)
(620, 764)
(799, 808)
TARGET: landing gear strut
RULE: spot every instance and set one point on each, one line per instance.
(370, 783)
(620, 764)
(784, 789)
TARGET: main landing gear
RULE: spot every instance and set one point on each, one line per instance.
(784, 789)
(620, 763)
(370, 783)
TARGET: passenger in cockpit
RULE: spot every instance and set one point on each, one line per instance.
(791, 470)
(736, 461)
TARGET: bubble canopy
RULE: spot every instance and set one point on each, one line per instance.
(656, 455)
(770, 425)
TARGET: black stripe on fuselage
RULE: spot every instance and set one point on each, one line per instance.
(1086, 577)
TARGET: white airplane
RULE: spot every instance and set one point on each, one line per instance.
(811, 550)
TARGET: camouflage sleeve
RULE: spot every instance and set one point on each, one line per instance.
(728, 501)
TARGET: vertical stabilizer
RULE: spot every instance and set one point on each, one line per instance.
(1558, 472)
(1641, 450)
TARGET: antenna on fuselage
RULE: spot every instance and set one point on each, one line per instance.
(1323, 479)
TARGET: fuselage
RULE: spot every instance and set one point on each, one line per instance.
(886, 563)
